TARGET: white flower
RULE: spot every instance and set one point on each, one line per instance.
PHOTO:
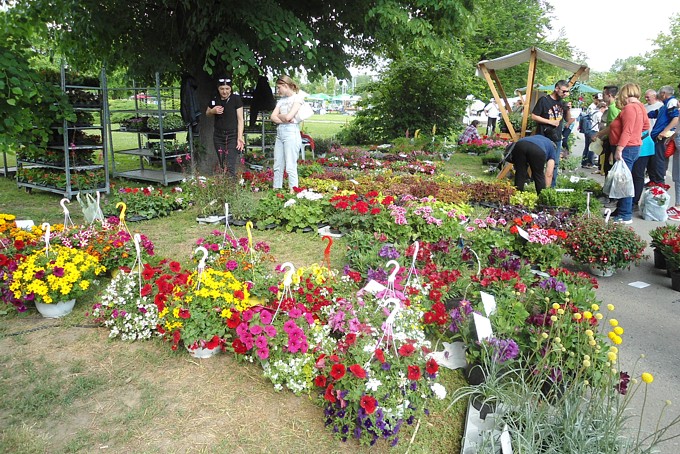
(373, 384)
(288, 203)
(439, 391)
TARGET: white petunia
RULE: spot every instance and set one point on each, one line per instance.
(439, 391)
(373, 384)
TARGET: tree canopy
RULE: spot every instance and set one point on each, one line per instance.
(244, 38)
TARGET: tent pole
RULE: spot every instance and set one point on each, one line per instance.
(501, 106)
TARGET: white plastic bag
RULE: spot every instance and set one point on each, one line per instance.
(304, 112)
(91, 209)
(651, 206)
(619, 182)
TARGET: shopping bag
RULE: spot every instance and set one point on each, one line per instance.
(90, 206)
(654, 202)
(619, 181)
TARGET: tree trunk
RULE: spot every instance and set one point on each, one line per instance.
(206, 158)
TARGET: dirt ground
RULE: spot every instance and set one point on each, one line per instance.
(71, 389)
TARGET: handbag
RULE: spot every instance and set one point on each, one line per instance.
(552, 133)
(670, 148)
(304, 112)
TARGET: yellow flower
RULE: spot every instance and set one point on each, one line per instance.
(618, 330)
(586, 363)
(611, 356)
(617, 340)
(555, 306)
(586, 357)
(610, 307)
(589, 332)
(595, 307)
(647, 377)
(614, 322)
(577, 316)
(598, 316)
(553, 318)
(560, 311)
(558, 340)
(613, 349)
(587, 315)
(544, 335)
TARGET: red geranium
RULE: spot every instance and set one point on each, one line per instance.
(357, 370)
(413, 373)
(338, 371)
(368, 403)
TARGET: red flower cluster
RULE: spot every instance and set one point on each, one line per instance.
(361, 204)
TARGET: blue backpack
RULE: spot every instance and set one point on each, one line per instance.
(585, 123)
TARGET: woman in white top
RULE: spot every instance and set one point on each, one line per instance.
(288, 140)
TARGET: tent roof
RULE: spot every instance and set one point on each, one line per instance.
(517, 58)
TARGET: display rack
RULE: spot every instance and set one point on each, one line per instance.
(154, 157)
(66, 166)
(267, 136)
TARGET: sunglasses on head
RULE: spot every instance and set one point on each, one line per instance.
(224, 81)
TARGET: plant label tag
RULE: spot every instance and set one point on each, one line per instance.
(482, 326)
(354, 181)
(506, 441)
(452, 357)
(489, 302)
(25, 225)
(374, 287)
(523, 233)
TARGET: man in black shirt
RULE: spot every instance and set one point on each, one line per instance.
(550, 113)
(227, 108)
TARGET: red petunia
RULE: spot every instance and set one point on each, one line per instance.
(175, 267)
(176, 336)
(320, 381)
(146, 290)
(234, 320)
(413, 373)
(213, 343)
(184, 313)
(351, 338)
(375, 210)
(338, 371)
(358, 371)
(238, 346)
(329, 394)
(431, 366)
(238, 294)
(406, 350)
(159, 300)
(368, 403)
(148, 272)
(19, 245)
(380, 355)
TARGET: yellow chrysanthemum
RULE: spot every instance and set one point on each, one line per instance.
(618, 330)
(587, 315)
(589, 332)
(595, 307)
(577, 316)
(555, 306)
(647, 377)
(614, 322)
(610, 307)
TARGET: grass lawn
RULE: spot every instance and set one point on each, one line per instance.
(65, 387)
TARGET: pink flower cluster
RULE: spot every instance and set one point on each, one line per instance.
(297, 340)
(426, 213)
(255, 334)
(399, 214)
(541, 236)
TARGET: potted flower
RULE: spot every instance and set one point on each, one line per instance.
(54, 279)
(661, 250)
(196, 313)
(605, 247)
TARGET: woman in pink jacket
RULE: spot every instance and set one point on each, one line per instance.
(625, 132)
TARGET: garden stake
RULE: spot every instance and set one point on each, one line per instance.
(588, 204)
(249, 227)
(607, 214)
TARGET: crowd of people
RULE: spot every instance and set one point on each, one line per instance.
(619, 123)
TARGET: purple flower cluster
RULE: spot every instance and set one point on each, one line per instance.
(459, 316)
(504, 349)
(389, 252)
(553, 284)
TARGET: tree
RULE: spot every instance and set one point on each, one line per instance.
(662, 65)
(30, 105)
(243, 39)
(415, 92)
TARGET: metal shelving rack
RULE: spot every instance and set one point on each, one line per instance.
(260, 130)
(67, 148)
(143, 151)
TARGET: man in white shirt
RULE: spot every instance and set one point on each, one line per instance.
(492, 114)
(652, 104)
